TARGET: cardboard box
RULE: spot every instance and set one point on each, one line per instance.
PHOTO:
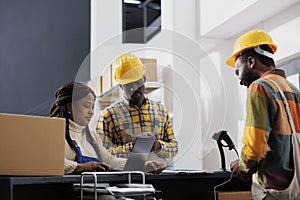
(31, 145)
(107, 79)
(151, 69)
(241, 195)
(100, 85)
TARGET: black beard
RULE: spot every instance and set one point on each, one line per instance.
(246, 78)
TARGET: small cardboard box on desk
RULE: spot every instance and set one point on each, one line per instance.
(241, 195)
(31, 145)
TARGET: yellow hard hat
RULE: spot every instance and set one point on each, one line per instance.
(249, 40)
(129, 68)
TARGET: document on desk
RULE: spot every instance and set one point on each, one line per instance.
(119, 189)
(131, 190)
(89, 187)
(184, 171)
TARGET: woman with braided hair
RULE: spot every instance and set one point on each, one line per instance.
(84, 150)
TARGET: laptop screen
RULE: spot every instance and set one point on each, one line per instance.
(139, 154)
(143, 144)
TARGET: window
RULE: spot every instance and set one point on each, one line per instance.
(141, 20)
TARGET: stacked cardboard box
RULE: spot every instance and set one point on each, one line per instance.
(151, 69)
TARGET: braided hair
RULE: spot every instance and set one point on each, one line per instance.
(65, 95)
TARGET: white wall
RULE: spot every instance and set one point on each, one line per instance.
(207, 95)
(223, 19)
(106, 21)
(214, 13)
(285, 32)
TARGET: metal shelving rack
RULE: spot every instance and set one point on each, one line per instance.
(95, 179)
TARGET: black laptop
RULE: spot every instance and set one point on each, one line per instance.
(139, 154)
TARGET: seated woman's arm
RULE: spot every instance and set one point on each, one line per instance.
(77, 168)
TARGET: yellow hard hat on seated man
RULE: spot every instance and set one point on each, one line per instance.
(129, 68)
(251, 39)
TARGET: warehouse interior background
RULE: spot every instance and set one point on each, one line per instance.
(202, 94)
(206, 94)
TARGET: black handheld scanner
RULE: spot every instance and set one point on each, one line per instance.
(223, 136)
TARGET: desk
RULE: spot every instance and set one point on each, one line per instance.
(173, 186)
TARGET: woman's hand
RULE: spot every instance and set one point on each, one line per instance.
(91, 167)
(154, 167)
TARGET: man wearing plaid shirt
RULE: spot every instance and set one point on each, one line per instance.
(134, 114)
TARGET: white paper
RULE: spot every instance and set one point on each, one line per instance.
(130, 190)
(183, 171)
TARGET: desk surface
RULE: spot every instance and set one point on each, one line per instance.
(171, 185)
(28, 180)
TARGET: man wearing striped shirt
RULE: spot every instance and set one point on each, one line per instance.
(267, 149)
(134, 114)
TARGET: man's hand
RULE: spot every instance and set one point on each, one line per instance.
(91, 167)
(235, 167)
(154, 167)
(156, 145)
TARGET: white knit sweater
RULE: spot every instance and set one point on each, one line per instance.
(78, 134)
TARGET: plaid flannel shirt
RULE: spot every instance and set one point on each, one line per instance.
(121, 122)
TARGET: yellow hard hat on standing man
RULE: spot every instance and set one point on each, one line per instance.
(252, 39)
(129, 68)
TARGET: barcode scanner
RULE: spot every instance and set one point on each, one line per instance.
(222, 137)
